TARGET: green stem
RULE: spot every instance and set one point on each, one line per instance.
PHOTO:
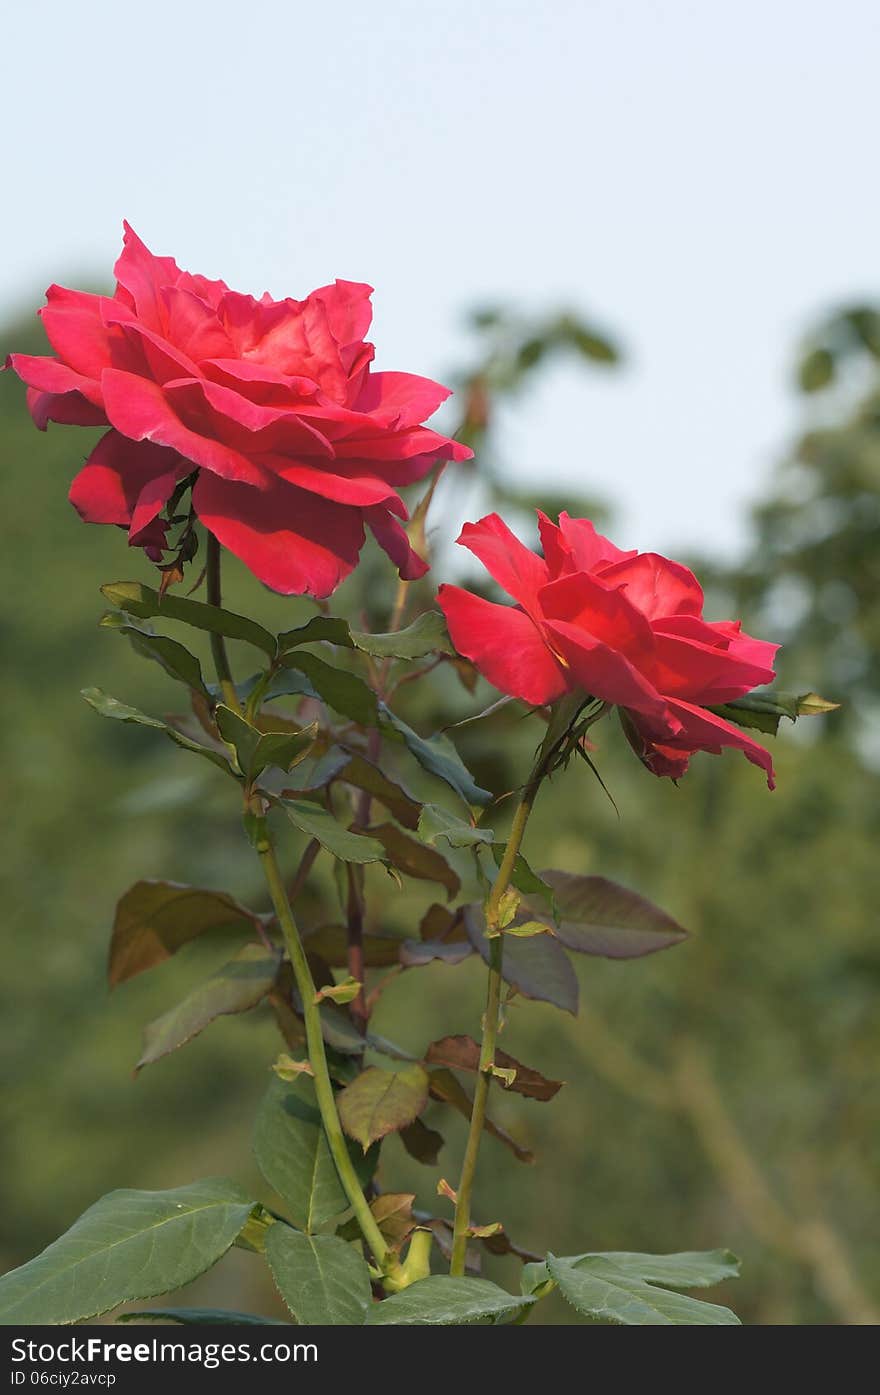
(318, 1056)
(373, 1237)
(490, 1019)
(218, 643)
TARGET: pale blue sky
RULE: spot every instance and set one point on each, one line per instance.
(701, 177)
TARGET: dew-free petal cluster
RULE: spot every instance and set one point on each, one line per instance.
(624, 627)
(296, 445)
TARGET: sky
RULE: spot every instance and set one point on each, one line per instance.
(699, 178)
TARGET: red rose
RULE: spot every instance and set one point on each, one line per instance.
(625, 627)
(296, 443)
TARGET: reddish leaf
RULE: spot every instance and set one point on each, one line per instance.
(422, 1143)
(463, 1053)
(393, 1213)
(538, 968)
(597, 916)
(155, 919)
(381, 950)
(444, 1086)
(415, 859)
(415, 953)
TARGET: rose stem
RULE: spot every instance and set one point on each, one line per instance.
(490, 1019)
(317, 1055)
(218, 644)
(301, 971)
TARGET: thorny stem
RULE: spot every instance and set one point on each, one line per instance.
(318, 1056)
(491, 1017)
(360, 1009)
(384, 1258)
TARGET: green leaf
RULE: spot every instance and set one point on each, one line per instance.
(538, 967)
(816, 370)
(236, 987)
(524, 930)
(282, 749)
(593, 346)
(330, 943)
(379, 1102)
(764, 708)
(598, 916)
(441, 1301)
(320, 627)
(324, 1281)
(201, 1317)
(435, 822)
(689, 1269)
(414, 954)
(129, 1245)
(176, 660)
(422, 1143)
(312, 772)
(416, 859)
(107, 706)
(155, 919)
(424, 636)
(146, 604)
(319, 823)
(598, 1288)
(339, 1031)
(364, 775)
(293, 1155)
(255, 750)
(437, 755)
(523, 878)
(340, 993)
(240, 734)
(338, 687)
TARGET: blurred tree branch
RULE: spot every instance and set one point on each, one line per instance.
(688, 1087)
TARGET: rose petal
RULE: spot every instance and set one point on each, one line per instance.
(686, 669)
(144, 276)
(706, 731)
(108, 487)
(348, 310)
(393, 540)
(344, 481)
(258, 383)
(50, 375)
(294, 542)
(657, 586)
(140, 410)
(401, 399)
(602, 612)
(506, 646)
(75, 327)
(67, 408)
(401, 445)
(217, 411)
(193, 326)
(521, 572)
(557, 553)
(602, 671)
(588, 548)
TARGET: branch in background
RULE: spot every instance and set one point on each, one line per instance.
(690, 1089)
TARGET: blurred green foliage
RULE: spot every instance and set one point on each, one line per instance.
(719, 1093)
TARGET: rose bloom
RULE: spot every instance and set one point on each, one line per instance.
(296, 443)
(624, 627)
